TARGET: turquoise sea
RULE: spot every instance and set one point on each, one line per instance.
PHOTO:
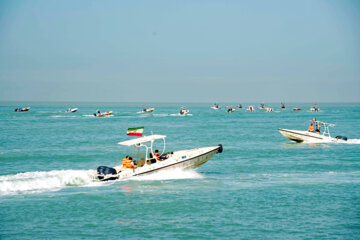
(262, 186)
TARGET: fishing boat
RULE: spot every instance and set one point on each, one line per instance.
(230, 110)
(145, 163)
(262, 106)
(25, 109)
(313, 137)
(296, 109)
(239, 106)
(268, 109)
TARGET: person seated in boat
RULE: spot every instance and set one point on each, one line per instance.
(311, 127)
(158, 157)
(128, 162)
(317, 129)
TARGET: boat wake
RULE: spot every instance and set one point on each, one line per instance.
(37, 182)
(353, 141)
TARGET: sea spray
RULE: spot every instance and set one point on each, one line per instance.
(34, 182)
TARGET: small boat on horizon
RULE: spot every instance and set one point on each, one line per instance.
(25, 109)
(184, 111)
(105, 114)
(296, 109)
(250, 109)
(216, 106)
(282, 106)
(148, 110)
(145, 163)
(72, 110)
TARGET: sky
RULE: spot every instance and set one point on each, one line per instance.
(180, 51)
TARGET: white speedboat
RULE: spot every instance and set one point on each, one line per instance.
(72, 110)
(250, 109)
(184, 111)
(312, 137)
(314, 108)
(25, 109)
(145, 163)
(216, 106)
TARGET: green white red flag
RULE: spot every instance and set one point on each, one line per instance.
(135, 131)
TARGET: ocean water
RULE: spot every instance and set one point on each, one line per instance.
(262, 186)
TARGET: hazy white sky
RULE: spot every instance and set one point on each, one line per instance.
(180, 51)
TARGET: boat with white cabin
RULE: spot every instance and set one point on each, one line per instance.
(145, 163)
(314, 136)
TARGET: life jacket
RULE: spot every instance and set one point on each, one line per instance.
(311, 128)
(156, 155)
(127, 163)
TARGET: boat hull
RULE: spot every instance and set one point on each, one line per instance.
(305, 136)
(186, 159)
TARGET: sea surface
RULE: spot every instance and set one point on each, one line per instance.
(262, 186)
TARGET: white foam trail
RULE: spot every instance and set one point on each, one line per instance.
(353, 141)
(170, 174)
(35, 182)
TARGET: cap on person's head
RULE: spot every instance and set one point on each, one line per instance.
(156, 150)
(130, 158)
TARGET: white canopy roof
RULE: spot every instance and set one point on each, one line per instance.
(142, 140)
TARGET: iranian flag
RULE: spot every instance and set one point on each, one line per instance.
(135, 131)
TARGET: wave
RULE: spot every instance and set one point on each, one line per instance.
(36, 182)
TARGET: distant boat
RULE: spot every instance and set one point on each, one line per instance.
(230, 110)
(184, 111)
(250, 109)
(297, 109)
(216, 106)
(239, 106)
(267, 109)
(314, 108)
(72, 110)
(148, 110)
(262, 106)
(282, 106)
(25, 109)
(98, 114)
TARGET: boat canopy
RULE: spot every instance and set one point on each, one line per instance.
(142, 140)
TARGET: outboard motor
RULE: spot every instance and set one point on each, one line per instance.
(341, 138)
(104, 170)
(220, 148)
